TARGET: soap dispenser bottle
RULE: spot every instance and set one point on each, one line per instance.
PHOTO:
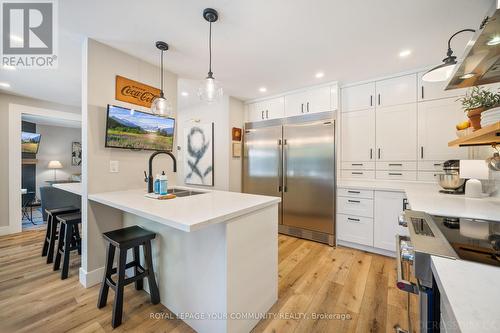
(163, 183)
(156, 186)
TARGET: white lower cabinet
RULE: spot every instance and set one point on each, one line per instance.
(355, 206)
(361, 174)
(355, 229)
(387, 208)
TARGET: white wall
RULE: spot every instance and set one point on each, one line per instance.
(55, 145)
(101, 64)
(226, 114)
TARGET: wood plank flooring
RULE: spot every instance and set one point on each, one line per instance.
(346, 290)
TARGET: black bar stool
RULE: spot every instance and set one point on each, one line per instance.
(69, 240)
(51, 232)
(125, 239)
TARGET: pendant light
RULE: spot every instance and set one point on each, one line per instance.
(444, 71)
(160, 106)
(210, 90)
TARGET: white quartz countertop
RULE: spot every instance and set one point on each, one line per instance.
(186, 213)
(472, 291)
(75, 188)
(426, 197)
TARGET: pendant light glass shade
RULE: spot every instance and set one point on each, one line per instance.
(160, 106)
(210, 90)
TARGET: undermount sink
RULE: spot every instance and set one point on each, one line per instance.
(183, 192)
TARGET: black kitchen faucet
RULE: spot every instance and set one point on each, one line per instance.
(149, 177)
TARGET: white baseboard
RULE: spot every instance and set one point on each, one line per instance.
(89, 279)
(367, 248)
(5, 230)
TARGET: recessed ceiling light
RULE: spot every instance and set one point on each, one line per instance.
(467, 76)
(8, 67)
(404, 53)
(4, 85)
(495, 40)
(263, 89)
(319, 75)
(185, 93)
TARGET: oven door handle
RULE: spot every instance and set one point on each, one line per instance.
(401, 283)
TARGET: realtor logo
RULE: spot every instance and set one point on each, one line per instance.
(29, 36)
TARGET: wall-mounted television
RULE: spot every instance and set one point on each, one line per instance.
(30, 142)
(132, 129)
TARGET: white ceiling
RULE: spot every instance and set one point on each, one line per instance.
(279, 44)
(51, 121)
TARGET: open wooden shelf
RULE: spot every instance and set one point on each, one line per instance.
(485, 136)
(30, 161)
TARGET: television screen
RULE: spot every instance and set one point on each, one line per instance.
(130, 129)
(30, 142)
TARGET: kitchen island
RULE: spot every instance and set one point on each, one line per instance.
(215, 254)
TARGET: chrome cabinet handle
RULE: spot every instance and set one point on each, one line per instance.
(285, 188)
(280, 171)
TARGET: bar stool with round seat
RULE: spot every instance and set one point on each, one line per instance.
(51, 231)
(69, 240)
(123, 240)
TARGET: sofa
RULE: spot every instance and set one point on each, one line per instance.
(51, 197)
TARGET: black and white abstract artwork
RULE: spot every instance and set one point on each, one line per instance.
(76, 153)
(199, 154)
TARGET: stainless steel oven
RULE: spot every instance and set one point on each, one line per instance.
(414, 274)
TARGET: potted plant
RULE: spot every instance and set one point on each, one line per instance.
(477, 100)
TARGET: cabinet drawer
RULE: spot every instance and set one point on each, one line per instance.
(357, 174)
(358, 165)
(427, 176)
(355, 229)
(397, 165)
(430, 166)
(397, 175)
(355, 193)
(355, 206)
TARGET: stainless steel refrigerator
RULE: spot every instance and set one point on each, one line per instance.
(294, 158)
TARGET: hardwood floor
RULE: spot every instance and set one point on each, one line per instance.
(314, 279)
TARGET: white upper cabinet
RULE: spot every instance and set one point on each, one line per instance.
(434, 90)
(269, 109)
(358, 136)
(396, 132)
(436, 127)
(398, 90)
(358, 97)
(309, 101)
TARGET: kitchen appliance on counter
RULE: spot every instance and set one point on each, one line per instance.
(294, 158)
(450, 179)
(449, 237)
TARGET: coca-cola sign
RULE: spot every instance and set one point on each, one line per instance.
(134, 92)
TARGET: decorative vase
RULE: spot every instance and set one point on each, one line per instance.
(475, 117)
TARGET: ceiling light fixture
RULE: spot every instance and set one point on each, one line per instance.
(319, 75)
(262, 89)
(184, 93)
(444, 71)
(4, 85)
(467, 76)
(160, 106)
(495, 40)
(404, 53)
(210, 91)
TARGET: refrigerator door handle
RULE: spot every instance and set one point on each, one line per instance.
(284, 166)
(280, 164)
